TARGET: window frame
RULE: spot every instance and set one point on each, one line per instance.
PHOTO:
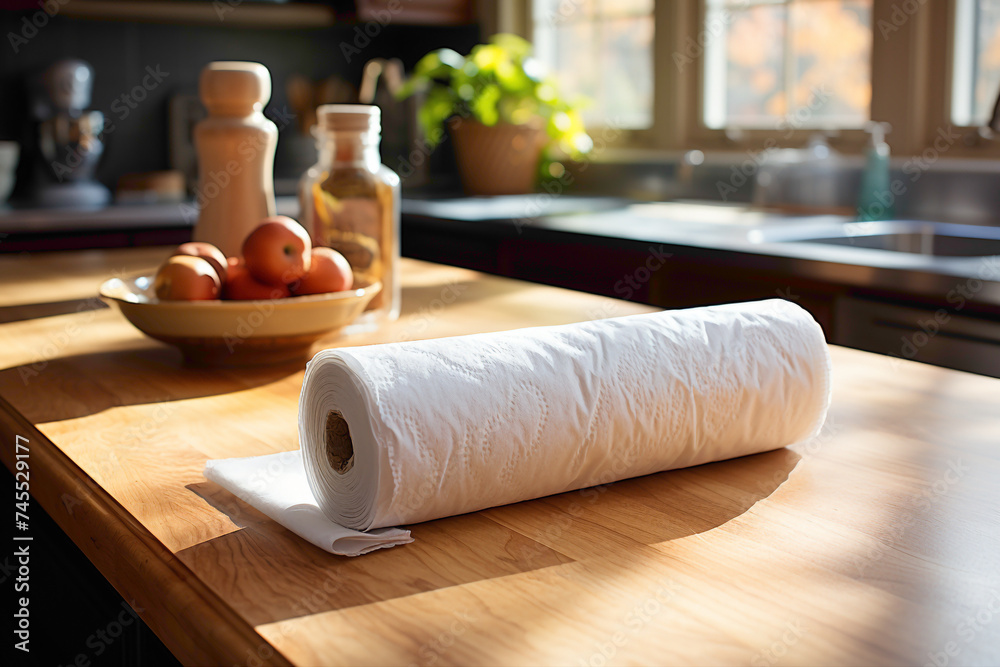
(918, 105)
(973, 142)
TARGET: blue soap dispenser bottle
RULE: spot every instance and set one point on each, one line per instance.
(876, 199)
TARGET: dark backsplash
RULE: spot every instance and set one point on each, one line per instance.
(120, 53)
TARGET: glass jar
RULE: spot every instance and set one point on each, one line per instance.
(350, 202)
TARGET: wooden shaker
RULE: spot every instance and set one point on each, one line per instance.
(235, 146)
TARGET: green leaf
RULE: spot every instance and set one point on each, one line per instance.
(498, 81)
(435, 110)
(487, 57)
(517, 47)
(438, 63)
(408, 88)
(484, 105)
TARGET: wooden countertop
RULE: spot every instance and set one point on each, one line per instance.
(876, 543)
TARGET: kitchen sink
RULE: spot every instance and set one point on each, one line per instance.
(923, 238)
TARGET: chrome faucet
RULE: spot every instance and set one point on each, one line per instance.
(994, 122)
(990, 131)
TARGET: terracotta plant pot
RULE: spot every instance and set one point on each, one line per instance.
(500, 159)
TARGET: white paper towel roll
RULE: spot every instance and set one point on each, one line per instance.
(408, 432)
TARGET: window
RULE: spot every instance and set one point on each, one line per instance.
(730, 74)
(976, 79)
(766, 60)
(601, 49)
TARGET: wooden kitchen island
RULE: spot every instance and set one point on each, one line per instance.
(876, 543)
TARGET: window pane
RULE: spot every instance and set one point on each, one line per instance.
(573, 59)
(550, 13)
(769, 59)
(627, 7)
(626, 95)
(603, 50)
(977, 61)
(754, 71)
(831, 46)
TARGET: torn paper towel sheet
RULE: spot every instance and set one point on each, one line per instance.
(276, 485)
(407, 432)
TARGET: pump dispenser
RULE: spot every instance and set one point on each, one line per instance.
(876, 199)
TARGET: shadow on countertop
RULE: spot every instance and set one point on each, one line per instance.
(586, 525)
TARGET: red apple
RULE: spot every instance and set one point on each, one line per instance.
(186, 278)
(243, 286)
(277, 252)
(206, 251)
(328, 272)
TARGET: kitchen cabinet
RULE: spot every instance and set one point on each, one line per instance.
(935, 335)
(870, 544)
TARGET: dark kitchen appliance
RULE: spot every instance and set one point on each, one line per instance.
(68, 138)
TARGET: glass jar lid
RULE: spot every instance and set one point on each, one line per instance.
(349, 118)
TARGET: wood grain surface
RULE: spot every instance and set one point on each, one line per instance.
(876, 543)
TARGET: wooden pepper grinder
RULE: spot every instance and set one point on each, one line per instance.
(235, 146)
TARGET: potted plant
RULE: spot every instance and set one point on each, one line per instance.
(507, 120)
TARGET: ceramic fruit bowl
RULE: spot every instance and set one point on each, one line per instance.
(237, 333)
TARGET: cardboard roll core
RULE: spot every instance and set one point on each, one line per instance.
(339, 447)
